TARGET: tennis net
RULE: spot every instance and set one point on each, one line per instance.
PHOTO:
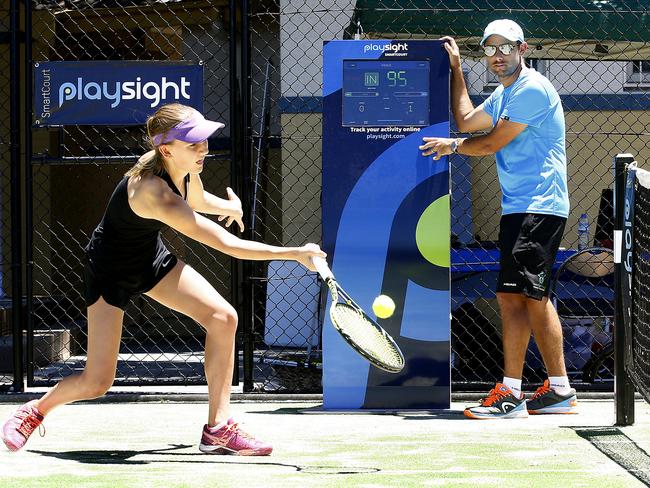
(636, 259)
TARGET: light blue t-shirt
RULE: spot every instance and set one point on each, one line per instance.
(532, 167)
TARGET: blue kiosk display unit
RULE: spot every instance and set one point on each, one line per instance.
(386, 224)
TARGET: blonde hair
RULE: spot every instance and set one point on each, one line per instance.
(162, 121)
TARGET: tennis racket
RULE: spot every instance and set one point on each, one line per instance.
(355, 326)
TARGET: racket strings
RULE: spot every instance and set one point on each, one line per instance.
(366, 336)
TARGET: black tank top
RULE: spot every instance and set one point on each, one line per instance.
(124, 243)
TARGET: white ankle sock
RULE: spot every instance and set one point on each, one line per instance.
(218, 426)
(560, 384)
(514, 384)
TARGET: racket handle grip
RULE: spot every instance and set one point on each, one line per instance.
(323, 269)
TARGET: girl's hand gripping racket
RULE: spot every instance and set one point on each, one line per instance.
(355, 326)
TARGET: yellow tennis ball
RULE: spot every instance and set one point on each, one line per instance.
(383, 306)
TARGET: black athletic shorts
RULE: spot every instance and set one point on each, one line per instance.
(117, 287)
(528, 244)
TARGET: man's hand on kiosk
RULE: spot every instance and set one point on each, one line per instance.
(452, 49)
(438, 146)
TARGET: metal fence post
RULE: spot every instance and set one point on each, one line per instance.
(240, 178)
(245, 178)
(29, 200)
(234, 153)
(16, 233)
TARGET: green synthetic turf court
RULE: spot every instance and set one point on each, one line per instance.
(155, 445)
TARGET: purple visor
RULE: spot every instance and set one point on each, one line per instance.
(195, 129)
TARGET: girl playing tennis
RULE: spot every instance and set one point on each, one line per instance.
(126, 257)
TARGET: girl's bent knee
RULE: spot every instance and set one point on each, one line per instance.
(220, 320)
(95, 387)
(232, 319)
(229, 320)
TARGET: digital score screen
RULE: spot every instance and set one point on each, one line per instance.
(383, 93)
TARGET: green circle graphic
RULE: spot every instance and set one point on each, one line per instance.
(432, 232)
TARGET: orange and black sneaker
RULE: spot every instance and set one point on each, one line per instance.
(547, 400)
(501, 403)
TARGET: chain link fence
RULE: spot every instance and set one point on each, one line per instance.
(597, 55)
(74, 170)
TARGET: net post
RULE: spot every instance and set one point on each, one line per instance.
(623, 387)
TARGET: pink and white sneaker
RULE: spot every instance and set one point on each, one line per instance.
(231, 439)
(21, 425)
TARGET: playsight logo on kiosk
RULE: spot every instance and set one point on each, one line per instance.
(399, 49)
(117, 91)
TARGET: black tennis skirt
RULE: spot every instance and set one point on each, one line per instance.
(118, 286)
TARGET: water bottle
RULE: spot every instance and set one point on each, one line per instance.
(583, 232)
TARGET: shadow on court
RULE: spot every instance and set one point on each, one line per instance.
(125, 458)
(406, 415)
(618, 447)
(113, 456)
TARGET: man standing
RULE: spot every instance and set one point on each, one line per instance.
(525, 120)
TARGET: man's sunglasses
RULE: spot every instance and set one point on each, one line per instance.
(504, 48)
